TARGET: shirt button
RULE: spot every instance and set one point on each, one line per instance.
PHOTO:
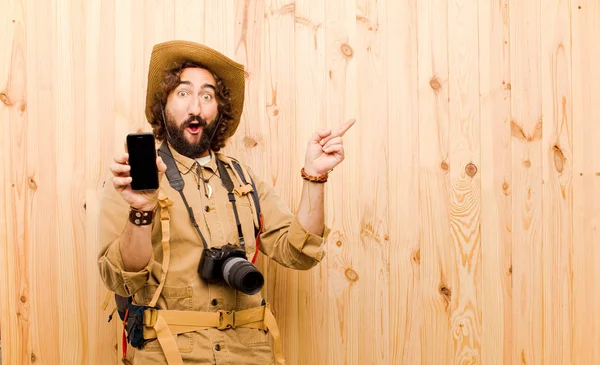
(214, 302)
(218, 347)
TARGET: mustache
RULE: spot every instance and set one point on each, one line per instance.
(192, 119)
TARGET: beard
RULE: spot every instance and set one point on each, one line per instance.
(176, 136)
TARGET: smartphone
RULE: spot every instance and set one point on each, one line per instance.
(142, 159)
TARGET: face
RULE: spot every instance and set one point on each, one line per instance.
(191, 112)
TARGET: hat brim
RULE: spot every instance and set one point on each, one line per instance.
(166, 55)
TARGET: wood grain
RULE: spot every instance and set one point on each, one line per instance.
(527, 221)
(437, 250)
(496, 180)
(403, 161)
(373, 267)
(586, 184)
(464, 160)
(557, 172)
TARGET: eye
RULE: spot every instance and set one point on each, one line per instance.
(182, 93)
(207, 97)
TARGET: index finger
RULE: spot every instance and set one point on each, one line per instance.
(344, 127)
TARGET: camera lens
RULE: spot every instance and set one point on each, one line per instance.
(241, 275)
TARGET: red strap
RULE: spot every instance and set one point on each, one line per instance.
(123, 336)
(260, 228)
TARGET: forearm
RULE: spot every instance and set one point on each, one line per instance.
(136, 246)
(311, 212)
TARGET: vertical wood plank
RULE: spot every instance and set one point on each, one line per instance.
(373, 266)
(403, 182)
(342, 205)
(526, 130)
(15, 244)
(70, 173)
(189, 20)
(496, 178)
(159, 26)
(219, 27)
(586, 184)
(310, 115)
(436, 251)
(465, 179)
(248, 144)
(282, 283)
(42, 150)
(99, 139)
(130, 81)
(557, 173)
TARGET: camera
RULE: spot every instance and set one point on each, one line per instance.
(229, 263)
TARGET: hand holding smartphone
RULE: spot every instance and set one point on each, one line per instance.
(142, 161)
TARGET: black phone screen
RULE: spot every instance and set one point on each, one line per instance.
(142, 159)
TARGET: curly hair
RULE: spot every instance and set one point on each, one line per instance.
(169, 82)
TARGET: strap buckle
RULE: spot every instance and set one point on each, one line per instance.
(226, 320)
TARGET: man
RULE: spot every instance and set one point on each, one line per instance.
(154, 243)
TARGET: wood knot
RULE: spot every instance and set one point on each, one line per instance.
(505, 187)
(84, 206)
(559, 158)
(446, 292)
(471, 169)
(347, 50)
(417, 256)
(250, 142)
(351, 275)
(33, 358)
(508, 87)
(510, 270)
(444, 166)
(23, 299)
(435, 84)
(32, 184)
(526, 164)
(273, 110)
(5, 99)
(338, 243)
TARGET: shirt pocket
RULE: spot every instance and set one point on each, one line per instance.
(174, 298)
(251, 337)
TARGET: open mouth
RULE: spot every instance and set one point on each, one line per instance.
(194, 127)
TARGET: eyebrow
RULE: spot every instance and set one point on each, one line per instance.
(204, 86)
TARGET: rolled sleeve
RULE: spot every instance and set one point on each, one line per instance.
(284, 240)
(307, 244)
(124, 283)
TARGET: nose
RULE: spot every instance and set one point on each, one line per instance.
(195, 107)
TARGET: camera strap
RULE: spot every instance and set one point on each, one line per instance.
(177, 183)
(228, 184)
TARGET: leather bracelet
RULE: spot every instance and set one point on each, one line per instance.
(141, 217)
(315, 179)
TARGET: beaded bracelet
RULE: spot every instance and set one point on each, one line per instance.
(315, 179)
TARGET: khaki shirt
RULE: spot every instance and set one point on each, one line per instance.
(283, 240)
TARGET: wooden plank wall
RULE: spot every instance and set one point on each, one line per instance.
(464, 219)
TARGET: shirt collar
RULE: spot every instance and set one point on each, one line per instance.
(186, 164)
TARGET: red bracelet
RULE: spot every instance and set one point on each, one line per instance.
(315, 179)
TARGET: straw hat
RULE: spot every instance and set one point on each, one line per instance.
(165, 55)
